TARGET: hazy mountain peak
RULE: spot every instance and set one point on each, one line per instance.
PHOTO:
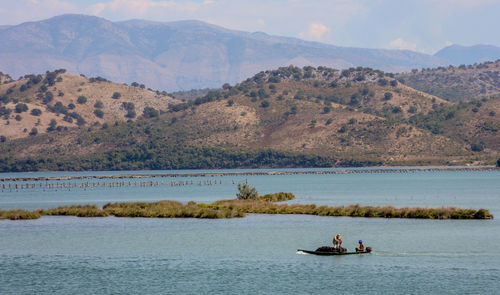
(174, 55)
(458, 54)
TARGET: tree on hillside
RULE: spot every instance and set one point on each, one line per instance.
(81, 99)
(98, 104)
(48, 97)
(116, 95)
(21, 107)
(382, 82)
(36, 112)
(33, 131)
(387, 96)
(150, 112)
(52, 125)
(130, 108)
(98, 113)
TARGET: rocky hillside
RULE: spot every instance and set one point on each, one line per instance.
(4, 78)
(455, 84)
(286, 117)
(58, 100)
(175, 55)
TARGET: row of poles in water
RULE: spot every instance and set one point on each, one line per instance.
(87, 185)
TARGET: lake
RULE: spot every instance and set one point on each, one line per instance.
(256, 254)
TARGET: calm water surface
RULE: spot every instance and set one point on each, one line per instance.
(257, 254)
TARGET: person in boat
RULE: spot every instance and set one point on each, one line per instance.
(361, 247)
(337, 242)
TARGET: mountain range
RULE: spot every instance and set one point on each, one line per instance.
(181, 55)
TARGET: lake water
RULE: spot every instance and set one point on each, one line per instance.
(257, 254)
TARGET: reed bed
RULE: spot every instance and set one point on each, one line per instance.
(260, 207)
(266, 204)
(76, 210)
(169, 209)
(276, 197)
(18, 214)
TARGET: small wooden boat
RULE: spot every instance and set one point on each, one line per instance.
(331, 253)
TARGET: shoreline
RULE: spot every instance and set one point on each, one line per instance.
(354, 170)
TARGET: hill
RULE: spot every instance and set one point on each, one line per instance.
(455, 84)
(175, 55)
(5, 78)
(58, 100)
(458, 55)
(290, 117)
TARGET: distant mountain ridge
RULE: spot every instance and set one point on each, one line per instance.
(467, 55)
(175, 55)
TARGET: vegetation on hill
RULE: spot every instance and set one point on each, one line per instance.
(66, 101)
(456, 84)
(190, 94)
(5, 78)
(289, 117)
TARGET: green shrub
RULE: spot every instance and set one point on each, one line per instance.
(150, 112)
(98, 104)
(33, 131)
(36, 112)
(81, 99)
(52, 125)
(246, 192)
(99, 113)
(116, 95)
(477, 147)
(21, 107)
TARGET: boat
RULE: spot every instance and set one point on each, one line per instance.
(332, 253)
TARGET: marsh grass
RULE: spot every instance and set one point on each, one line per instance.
(18, 214)
(277, 197)
(76, 210)
(266, 204)
(260, 207)
(169, 209)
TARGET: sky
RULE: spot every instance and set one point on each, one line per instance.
(419, 25)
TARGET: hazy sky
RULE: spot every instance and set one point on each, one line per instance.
(421, 25)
